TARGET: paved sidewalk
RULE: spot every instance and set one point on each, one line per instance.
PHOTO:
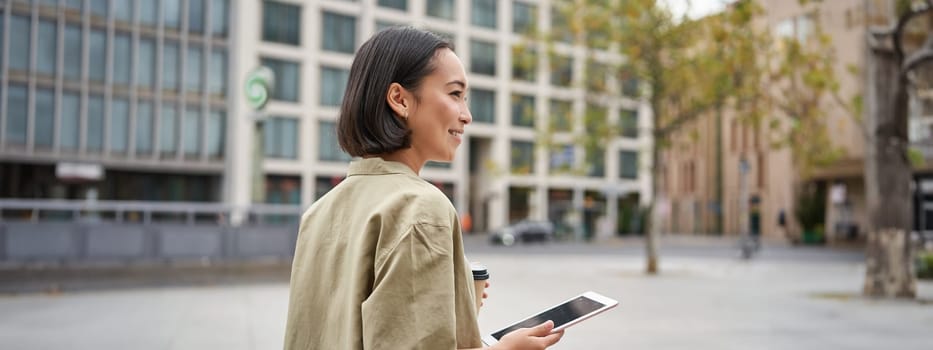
(696, 303)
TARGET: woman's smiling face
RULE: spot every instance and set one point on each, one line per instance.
(438, 117)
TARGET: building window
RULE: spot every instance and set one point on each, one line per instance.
(562, 159)
(339, 33)
(123, 10)
(193, 68)
(523, 157)
(145, 66)
(524, 63)
(596, 76)
(281, 23)
(95, 123)
(75, 4)
(628, 122)
(523, 111)
(523, 17)
(328, 147)
(333, 85)
(628, 165)
(167, 138)
(196, 16)
(483, 106)
(44, 118)
(281, 138)
(73, 56)
(595, 119)
(561, 116)
(800, 28)
(216, 130)
(286, 79)
(171, 13)
(98, 55)
(441, 9)
(122, 55)
(219, 17)
(99, 8)
(191, 132)
(119, 125)
(70, 130)
(217, 81)
(20, 43)
(148, 13)
(283, 190)
(47, 47)
(629, 82)
(561, 71)
(483, 13)
(16, 114)
(170, 64)
(596, 162)
(482, 57)
(560, 24)
(144, 128)
(395, 4)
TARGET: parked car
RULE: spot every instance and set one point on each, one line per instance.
(524, 231)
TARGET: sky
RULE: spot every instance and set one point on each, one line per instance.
(698, 8)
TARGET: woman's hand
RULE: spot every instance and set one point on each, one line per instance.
(535, 338)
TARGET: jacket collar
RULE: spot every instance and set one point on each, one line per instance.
(378, 166)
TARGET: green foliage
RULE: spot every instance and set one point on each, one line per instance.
(924, 265)
(811, 207)
(692, 68)
(915, 156)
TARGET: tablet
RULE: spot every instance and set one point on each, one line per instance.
(564, 315)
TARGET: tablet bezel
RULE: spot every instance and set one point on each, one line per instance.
(607, 303)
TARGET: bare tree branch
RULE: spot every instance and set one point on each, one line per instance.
(682, 119)
(917, 59)
(902, 22)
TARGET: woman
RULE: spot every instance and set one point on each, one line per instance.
(379, 262)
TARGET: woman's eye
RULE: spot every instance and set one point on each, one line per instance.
(457, 94)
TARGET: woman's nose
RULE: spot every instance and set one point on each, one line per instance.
(466, 117)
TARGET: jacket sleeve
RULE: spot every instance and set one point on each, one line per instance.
(412, 301)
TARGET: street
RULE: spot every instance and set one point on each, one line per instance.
(704, 298)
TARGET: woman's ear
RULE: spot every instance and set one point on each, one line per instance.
(399, 100)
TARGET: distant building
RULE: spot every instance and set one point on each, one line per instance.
(690, 172)
(149, 95)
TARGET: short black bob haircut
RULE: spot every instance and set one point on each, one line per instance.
(404, 55)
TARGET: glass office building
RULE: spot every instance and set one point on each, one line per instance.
(151, 93)
(139, 88)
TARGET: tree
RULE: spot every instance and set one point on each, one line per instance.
(685, 69)
(888, 171)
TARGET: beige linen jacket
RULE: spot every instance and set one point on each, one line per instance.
(379, 264)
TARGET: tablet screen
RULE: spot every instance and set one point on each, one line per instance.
(560, 314)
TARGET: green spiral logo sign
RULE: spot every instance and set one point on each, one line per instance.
(259, 85)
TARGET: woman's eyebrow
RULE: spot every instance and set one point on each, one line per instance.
(458, 82)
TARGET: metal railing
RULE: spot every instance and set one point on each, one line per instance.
(77, 231)
(36, 210)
